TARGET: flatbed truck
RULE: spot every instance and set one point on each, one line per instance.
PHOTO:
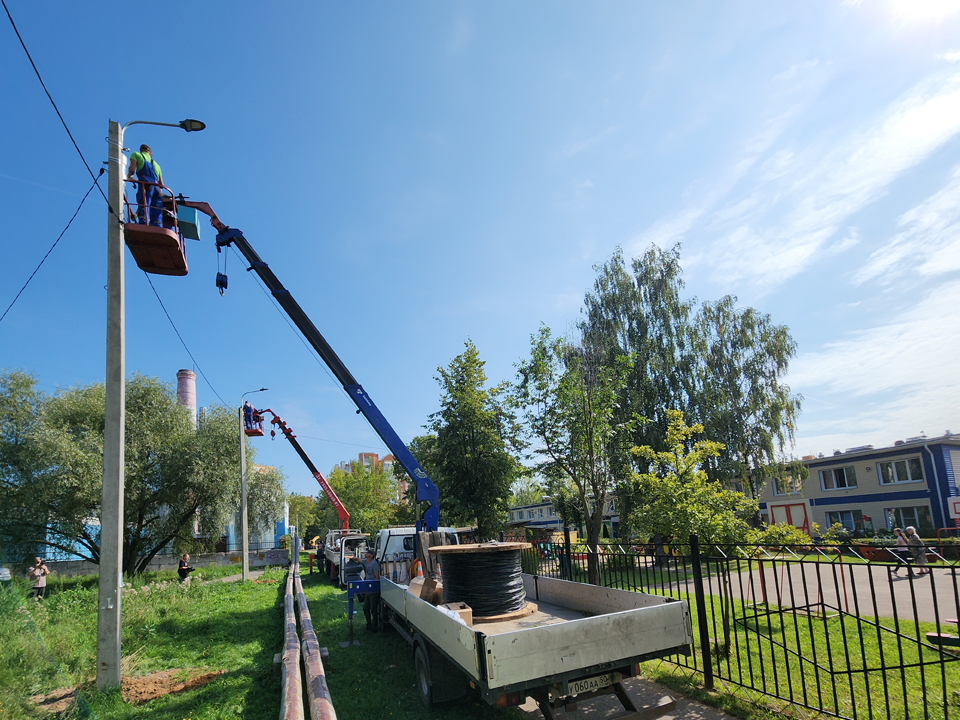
(582, 641)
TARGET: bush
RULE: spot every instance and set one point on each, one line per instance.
(780, 534)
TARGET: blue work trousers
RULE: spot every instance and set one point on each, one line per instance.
(148, 197)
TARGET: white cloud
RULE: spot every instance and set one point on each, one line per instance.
(952, 56)
(889, 380)
(929, 243)
(822, 187)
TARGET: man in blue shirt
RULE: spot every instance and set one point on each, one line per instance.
(371, 602)
(147, 171)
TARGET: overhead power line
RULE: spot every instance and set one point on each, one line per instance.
(182, 342)
(50, 97)
(95, 181)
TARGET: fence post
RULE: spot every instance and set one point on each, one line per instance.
(706, 650)
(566, 552)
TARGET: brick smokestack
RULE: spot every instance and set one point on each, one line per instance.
(187, 392)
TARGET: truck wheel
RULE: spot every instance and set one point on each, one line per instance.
(421, 666)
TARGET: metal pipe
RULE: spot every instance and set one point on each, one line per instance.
(321, 704)
(291, 683)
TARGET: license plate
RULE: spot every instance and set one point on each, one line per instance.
(575, 687)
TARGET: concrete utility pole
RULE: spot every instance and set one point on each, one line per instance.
(109, 614)
(244, 527)
(111, 504)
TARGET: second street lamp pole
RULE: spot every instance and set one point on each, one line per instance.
(244, 527)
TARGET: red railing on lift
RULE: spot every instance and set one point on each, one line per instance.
(157, 249)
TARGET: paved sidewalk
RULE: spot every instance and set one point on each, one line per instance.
(643, 692)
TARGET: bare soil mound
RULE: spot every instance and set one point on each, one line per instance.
(138, 690)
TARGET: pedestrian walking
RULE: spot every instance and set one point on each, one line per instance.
(918, 550)
(903, 549)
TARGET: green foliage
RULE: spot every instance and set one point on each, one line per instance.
(836, 534)
(475, 431)
(578, 438)
(722, 363)
(306, 513)
(526, 491)
(177, 478)
(780, 534)
(368, 494)
(678, 497)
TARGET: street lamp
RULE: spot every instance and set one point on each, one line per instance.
(244, 528)
(111, 503)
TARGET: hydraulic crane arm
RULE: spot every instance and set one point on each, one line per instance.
(428, 496)
(342, 513)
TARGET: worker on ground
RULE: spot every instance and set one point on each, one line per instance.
(147, 171)
(371, 602)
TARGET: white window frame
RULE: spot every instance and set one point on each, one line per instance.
(900, 471)
(849, 471)
(789, 487)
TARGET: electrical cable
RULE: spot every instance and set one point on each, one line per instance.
(303, 342)
(488, 581)
(50, 97)
(195, 363)
(70, 222)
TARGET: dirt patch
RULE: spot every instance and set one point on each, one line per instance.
(138, 690)
(58, 701)
(264, 582)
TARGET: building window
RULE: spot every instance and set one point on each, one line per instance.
(552, 512)
(902, 517)
(838, 478)
(900, 471)
(613, 506)
(785, 486)
(851, 520)
(541, 512)
(529, 514)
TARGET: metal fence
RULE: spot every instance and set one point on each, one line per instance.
(823, 628)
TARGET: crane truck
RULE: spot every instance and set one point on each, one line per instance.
(582, 641)
(341, 544)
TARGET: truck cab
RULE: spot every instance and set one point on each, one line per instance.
(394, 550)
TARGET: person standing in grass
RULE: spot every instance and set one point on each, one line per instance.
(38, 573)
(184, 569)
(918, 550)
(371, 601)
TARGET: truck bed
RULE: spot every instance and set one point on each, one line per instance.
(577, 627)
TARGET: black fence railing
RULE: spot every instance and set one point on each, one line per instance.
(824, 628)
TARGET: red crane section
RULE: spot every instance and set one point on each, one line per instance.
(342, 513)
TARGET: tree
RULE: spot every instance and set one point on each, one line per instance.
(181, 483)
(526, 491)
(677, 496)
(638, 311)
(305, 512)
(741, 397)
(368, 494)
(570, 408)
(725, 365)
(475, 431)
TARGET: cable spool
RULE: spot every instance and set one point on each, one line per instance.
(485, 577)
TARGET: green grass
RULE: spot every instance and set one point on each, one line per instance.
(375, 680)
(166, 625)
(229, 626)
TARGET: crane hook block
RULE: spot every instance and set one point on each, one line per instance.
(221, 282)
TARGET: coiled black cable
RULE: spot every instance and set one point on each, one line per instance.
(489, 581)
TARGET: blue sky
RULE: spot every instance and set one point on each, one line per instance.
(419, 174)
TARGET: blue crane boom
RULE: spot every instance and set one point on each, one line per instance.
(428, 496)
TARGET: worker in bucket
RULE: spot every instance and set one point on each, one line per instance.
(248, 415)
(147, 171)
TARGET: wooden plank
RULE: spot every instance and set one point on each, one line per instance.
(528, 609)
